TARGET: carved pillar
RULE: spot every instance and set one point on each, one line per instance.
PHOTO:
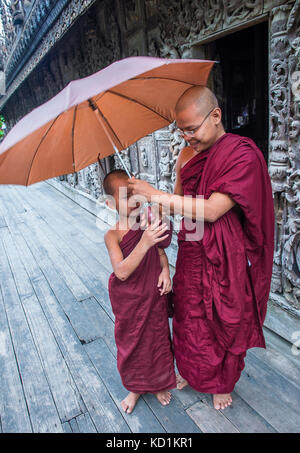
(284, 163)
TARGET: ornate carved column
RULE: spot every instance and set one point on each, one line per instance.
(284, 160)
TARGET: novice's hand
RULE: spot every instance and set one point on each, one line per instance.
(164, 281)
(154, 234)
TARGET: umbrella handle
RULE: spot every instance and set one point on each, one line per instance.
(100, 119)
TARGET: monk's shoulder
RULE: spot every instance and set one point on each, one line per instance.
(184, 156)
(111, 235)
(241, 149)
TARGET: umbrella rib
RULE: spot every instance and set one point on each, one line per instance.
(42, 139)
(164, 78)
(138, 102)
(73, 128)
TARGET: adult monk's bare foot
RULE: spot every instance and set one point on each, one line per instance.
(129, 402)
(181, 383)
(221, 401)
(163, 397)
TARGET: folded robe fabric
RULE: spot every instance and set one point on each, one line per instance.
(144, 351)
(222, 280)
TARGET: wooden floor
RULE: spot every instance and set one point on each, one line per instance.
(57, 353)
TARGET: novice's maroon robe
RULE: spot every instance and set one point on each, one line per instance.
(144, 351)
(222, 282)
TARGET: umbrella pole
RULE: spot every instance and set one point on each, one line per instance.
(101, 121)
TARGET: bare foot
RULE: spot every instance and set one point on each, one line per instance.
(222, 400)
(129, 402)
(181, 383)
(163, 397)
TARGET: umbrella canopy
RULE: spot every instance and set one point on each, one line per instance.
(117, 105)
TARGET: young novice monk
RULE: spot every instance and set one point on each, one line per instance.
(137, 290)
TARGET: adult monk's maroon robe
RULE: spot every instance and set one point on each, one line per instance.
(144, 351)
(222, 282)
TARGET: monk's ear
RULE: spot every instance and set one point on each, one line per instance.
(217, 116)
(110, 202)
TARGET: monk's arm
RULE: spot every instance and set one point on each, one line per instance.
(164, 280)
(123, 268)
(208, 210)
(164, 263)
(212, 209)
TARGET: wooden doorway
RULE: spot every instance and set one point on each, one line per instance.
(240, 81)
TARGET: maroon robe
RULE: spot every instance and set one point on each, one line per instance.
(144, 351)
(222, 281)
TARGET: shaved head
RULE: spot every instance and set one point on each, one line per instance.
(113, 179)
(199, 118)
(199, 96)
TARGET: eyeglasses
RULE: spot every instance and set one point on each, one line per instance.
(192, 132)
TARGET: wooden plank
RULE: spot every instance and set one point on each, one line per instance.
(84, 200)
(2, 222)
(76, 312)
(239, 415)
(173, 417)
(187, 396)
(74, 244)
(106, 417)
(8, 210)
(103, 411)
(265, 402)
(209, 419)
(279, 321)
(276, 384)
(67, 428)
(60, 381)
(69, 275)
(74, 426)
(13, 411)
(72, 212)
(105, 326)
(83, 265)
(70, 305)
(82, 222)
(278, 356)
(85, 423)
(142, 419)
(42, 410)
(81, 424)
(245, 418)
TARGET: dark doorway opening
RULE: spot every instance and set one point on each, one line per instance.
(240, 82)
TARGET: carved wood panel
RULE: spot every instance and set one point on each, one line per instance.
(170, 28)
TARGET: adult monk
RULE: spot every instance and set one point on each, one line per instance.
(222, 279)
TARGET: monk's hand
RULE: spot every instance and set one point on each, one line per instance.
(164, 281)
(142, 188)
(154, 234)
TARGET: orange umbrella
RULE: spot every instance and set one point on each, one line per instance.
(96, 116)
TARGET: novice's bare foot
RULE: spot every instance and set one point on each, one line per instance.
(222, 400)
(129, 402)
(181, 383)
(163, 397)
